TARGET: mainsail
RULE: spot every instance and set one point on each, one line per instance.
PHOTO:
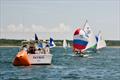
(79, 40)
(90, 36)
(64, 44)
(36, 38)
(100, 41)
(51, 43)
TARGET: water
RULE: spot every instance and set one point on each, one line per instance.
(103, 65)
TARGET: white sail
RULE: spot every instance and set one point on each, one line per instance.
(90, 36)
(101, 42)
(64, 44)
(51, 43)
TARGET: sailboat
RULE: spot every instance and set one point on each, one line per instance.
(90, 36)
(68, 45)
(64, 44)
(51, 43)
(29, 54)
(100, 41)
(79, 41)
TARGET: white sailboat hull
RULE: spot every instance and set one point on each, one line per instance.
(40, 58)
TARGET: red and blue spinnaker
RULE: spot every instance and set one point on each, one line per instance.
(79, 40)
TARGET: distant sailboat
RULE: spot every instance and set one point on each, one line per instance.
(100, 41)
(51, 43)
(68, 45)
(90, 36)
(64, 44)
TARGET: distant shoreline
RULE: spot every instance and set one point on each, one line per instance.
(9, 46)
(113, 46)
(19, 46)
(57, 46)
(59, 43)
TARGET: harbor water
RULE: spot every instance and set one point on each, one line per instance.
(102, 65)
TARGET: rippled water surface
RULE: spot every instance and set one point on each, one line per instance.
(103, 65)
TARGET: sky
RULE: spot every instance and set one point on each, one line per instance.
(21, 19)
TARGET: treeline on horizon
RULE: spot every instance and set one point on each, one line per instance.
(13, 42)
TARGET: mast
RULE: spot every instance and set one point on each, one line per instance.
(85, 24)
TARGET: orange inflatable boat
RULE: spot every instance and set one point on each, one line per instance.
(21, 59)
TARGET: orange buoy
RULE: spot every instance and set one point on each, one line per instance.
(21, 59)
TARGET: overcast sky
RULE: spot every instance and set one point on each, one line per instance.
(20, 19)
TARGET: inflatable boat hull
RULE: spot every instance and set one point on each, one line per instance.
(21, 59)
